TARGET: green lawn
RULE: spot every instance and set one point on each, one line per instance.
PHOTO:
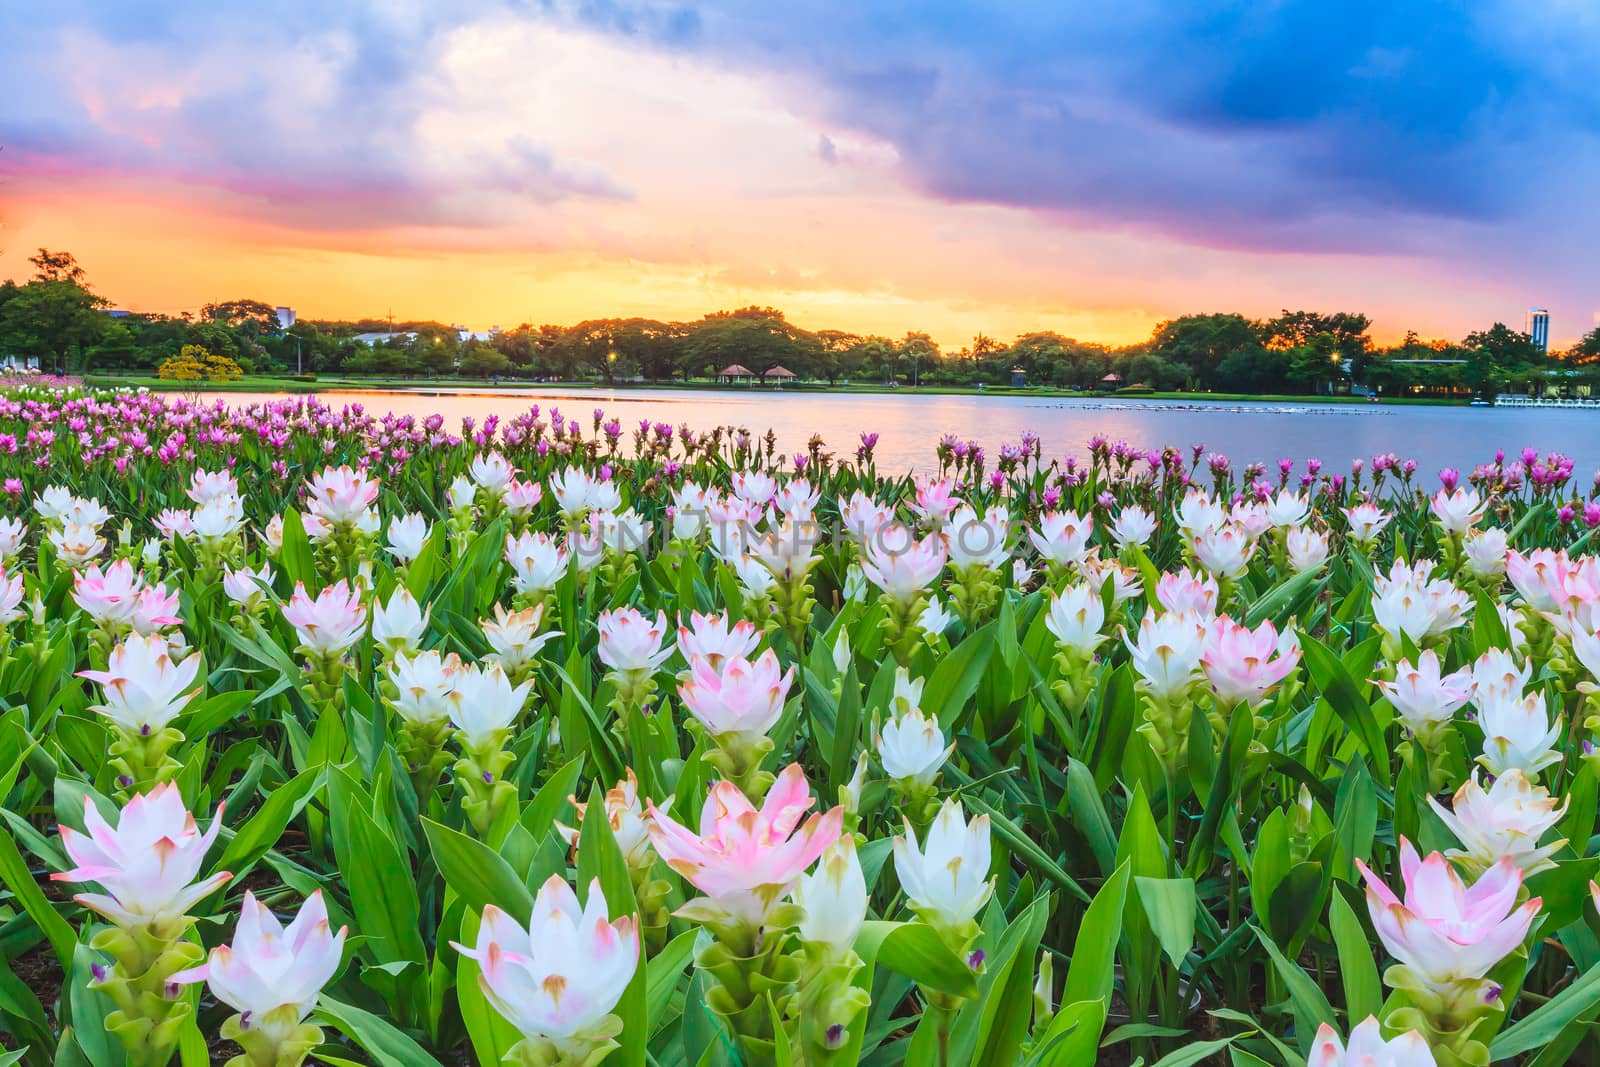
(264, 384)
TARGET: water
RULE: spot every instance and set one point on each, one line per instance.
(909, 426)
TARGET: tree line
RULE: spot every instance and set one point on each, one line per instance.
(57, 320)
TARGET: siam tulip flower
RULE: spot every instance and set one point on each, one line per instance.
(1063, 538)
(1166, 655)
(862, 517)
(631, 642)
(11, 591)
(1307, 549)
(1485, 552)
(1198, 513)
(1506, 820)
(974, 540)
(110, 596)
(1517, 733)
(1368, 1048)
(743, 859)
(13, 536)
(833, 899)
(935, 500)
(272, 535)
(903, 575)
(1425, 698)
(1225, 551)
(558, 981)
(1498, 674)
(85, 512)
(739, 698)
(520, 498)
(341, 497)
(626, 815)
(1539, 577)
(1457, 512)
(713, 639)
(1185, 593)
(461, 495)
(934, 620)
(75, 545)
(1288, 510)
(621, 531)
(424, 683)
(407, 535)
(154, 610)
(907, 692)
(1076, 617)
(143, 689)
(400, 624)
(206, 486)
(912, 748)
(1133, 526)
(1253, 519)
(788, 550)
(492, 472)
(1126, 582)
(147, 863)
(271, 975)
(243, 586)
(483, 704)
(796, 499)
(1243, 665)
(754, 487)
(537, 561)
(175, 523)
(756, 580)
(217, 520)
(329, 625)
(946, 878)
(515, 638)
(53, 503)
(1445, 932)
(1366, 522)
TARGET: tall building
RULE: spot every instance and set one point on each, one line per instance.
(1538, 328)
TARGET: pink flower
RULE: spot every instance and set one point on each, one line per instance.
(329, 624)
(1424, 697)
(1187, 593)
(936, 500)
(108, 596)
(713, 639)
(561, 977)
(147, 864)
(1243, 664)
(630, 642)
(342, 496)
(272, 975)
(739, 696)
(1062, 537)
(904, 574)
(1444, 931)
(743, 859)
(1368, 1048)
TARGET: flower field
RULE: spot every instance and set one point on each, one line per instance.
(345, 739)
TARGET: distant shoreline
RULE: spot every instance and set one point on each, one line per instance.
(290, 387)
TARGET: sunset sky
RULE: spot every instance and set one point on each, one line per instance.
(878, 167)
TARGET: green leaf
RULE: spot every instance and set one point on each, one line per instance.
(382, 1041)
(1545, 1023)
(916, 951)
(477, 874)
(1311, 1008)
(14, 872)
(1170, 904)
(1094, 953)
(1342, 693)
(1363, 993)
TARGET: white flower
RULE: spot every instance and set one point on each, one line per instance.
(975, 540)
(912, 748)
(833, 897)
(1508, 819)
(947, 878)
(242, 588)
(1307, 548)
(483, 703)
(631, 642)
(1369, 1049)
(1063, 537)
(1076, 617)
(1224, 551)
(1288, 509)
(1517, 734)
(143, 689)
(1485, 552)
(537, 562)
(218, 519)
(1133, 526)
(934, 618)
(903, 575)
(492, 472)
(1457, 512)
(407, 535)
(401, 623)
(1166, 655)
(515, 637)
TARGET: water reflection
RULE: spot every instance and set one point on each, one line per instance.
(910, 425)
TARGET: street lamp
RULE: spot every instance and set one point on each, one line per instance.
(299, 368)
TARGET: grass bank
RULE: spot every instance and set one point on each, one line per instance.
(335, 383)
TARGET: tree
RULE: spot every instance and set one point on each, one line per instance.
(194, 364)
(482, 361)
(758, 337)
(57, 267)
(1588, 349)
(252, 316)
(49, 321)
(1201, 342)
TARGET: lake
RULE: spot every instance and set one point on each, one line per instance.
(909, 426)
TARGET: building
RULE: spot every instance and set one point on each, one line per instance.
(286, 318)
(1538, 329)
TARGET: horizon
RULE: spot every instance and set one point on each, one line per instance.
(1002, 173)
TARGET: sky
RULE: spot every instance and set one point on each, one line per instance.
(878, 167)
